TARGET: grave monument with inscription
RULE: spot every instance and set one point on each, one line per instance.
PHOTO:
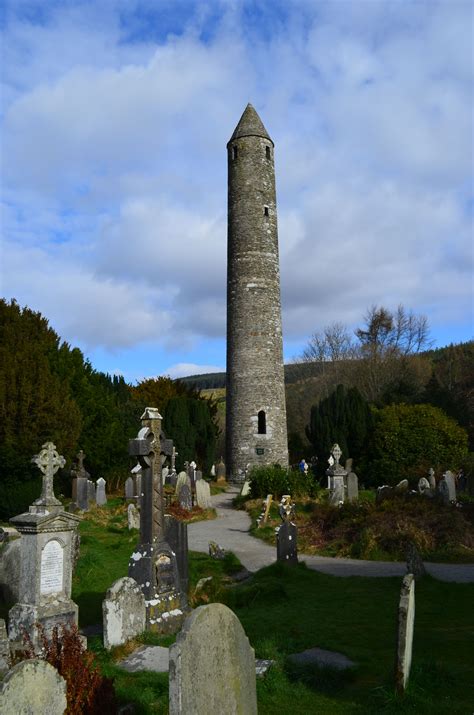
(46, 558)
(153, 564)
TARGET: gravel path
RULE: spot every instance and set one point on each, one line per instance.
(231, 527)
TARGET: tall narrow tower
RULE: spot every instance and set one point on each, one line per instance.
(256, 410)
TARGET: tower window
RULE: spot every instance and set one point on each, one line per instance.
(265, 210)
(267, 152)
(234, 152)
(262, 422)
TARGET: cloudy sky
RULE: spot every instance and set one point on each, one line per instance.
(115, 119)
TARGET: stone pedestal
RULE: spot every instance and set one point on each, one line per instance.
(46, 559)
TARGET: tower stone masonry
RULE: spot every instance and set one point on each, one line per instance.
(256, 411)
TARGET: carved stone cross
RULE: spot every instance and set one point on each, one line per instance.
(336, 453)
(48, 461)
(80, 459)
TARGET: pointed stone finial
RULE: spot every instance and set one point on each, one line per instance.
(250, 125)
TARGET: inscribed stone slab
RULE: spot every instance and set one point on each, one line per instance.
(33, 686)
(52, 559)
(203, 494)
(124, 612)
(212, 665)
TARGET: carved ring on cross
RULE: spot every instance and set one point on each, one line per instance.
(49, 460)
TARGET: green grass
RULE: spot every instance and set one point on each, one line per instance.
(285, 610)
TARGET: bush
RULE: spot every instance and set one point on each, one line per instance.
(409, 439)
(88, 692)
(278, 481)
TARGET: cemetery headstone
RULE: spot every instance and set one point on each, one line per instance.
(124, 612)
(443, 490)
(406, 621)
(184, 497)
(33, 686)
(245, 491)
(451, 484)
(382, 493)
(352, 487)
(213, 470)
(424, 486)
(203, 494)
(138, 486)
(10, 572)
(287, 543)
(432, 478)
(212, 665)
(164, 474)
(129, 488)
(176, 535)
(46, 558)
(198, 474)
(220, 472)
(100, 495)
(90, 491)
(181, 479)
(133, 517)
(402, 486)
(336, 496)
(80, 484)
(153, 564)
(5, 659)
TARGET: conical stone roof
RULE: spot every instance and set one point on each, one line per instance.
(250, 125)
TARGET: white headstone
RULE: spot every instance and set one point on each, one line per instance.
(51, 578)
(133, 517)
(245, 491)
(129, 490)
(164, 474)
(100, 495)
(203, 494)
(406, 622)
(124, 612)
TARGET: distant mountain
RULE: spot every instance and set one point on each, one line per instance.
(214, 380)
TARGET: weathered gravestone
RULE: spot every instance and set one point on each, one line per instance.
(176, 535)
(100, 495)
(449, 486)
(90, 490)
(198, 475)
(352, 487)
(203, 494)
(245, 491)
(406, 621)
(138, 486)
(181, 479)
(5, 658)
(129, 488)
(46, 558)
(212, 665)
(80, 484)
(33, 687)
(124, 612)
(10, 572)
(424, 486)
(133, 517)
(336, 476)
(402, 486)
(153, 564)
(336, 495)
(164, 474)
(185, 498)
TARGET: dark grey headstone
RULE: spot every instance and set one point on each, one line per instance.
(185, 499)
(287, 543)
(129, 488)
(198, 475)
(82, 493)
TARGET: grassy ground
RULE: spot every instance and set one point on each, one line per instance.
(441, 533)
(286, 610)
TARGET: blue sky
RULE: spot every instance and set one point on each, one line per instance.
(115, 118)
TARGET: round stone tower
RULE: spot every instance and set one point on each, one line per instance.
(256, 410)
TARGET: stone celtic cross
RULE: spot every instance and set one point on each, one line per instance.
(336, 453)
(48, 461)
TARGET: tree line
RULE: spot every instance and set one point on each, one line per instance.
(49, 391)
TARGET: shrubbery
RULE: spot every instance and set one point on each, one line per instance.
(278, 481)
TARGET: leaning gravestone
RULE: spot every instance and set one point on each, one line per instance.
(212, 665)
(352, 487)
(203, 494)
(185, 498)
(100, 495)
(33, 687)
(406, 621)
(129, 490)
(124, 612)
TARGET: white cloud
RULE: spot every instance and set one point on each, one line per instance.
(115, 166)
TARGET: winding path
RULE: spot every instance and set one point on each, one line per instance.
(231, 531)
